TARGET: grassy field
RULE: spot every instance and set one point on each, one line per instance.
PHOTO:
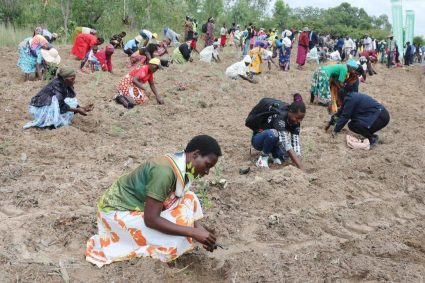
(11, 37)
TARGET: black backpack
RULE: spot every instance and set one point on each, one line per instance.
(204, 27)
(257, 118)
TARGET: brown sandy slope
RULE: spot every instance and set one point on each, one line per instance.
(356, 216)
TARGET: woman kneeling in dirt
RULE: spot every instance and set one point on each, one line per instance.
(151, 211)
(366, 114)
(276, 129)
(55, 105)
(130, 88)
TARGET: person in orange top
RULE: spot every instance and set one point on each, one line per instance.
(131, 86)
(83, 43)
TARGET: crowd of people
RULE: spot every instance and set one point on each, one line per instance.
(151, 211)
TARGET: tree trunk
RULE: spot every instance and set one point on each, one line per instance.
(66, 11)
(148, 12)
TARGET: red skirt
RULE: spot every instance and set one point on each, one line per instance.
(223, 40)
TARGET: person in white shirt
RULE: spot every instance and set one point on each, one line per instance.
(334, 56)
(348, 47)
(223, 35)
(268, 57)
(240, 70)
(148, 36)
(313, 55)
(210, 53)
(367, 43)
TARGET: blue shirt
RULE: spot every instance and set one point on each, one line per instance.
(340, 43)
(358, 107)
(132, 43)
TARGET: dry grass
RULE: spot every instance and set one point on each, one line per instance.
(11, 37)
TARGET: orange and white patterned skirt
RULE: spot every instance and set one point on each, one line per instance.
(123, 235)
(127, 88)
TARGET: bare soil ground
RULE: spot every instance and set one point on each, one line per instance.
(355, 216)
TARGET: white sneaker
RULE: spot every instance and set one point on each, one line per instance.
(277, 161)
(263, 161)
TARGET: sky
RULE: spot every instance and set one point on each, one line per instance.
(373, 8)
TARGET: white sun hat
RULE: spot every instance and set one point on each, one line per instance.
(51, 55)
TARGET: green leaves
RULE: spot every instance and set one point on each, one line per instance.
(107, 16)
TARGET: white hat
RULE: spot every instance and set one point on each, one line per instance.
(138, 38)
(288, 33)
(51, 55)
(247, 59)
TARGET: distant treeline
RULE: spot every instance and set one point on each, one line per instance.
(112, 16)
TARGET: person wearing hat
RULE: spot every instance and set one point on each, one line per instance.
(49, 36)
(51, 60)
(148, 36)
(104, 56)
(83, 44)
(326, 82)
(240, 70)
(132, 88)
(132, 45)
(303, 42)
(55, 105)
(366, 115)
(30, 58)
(210, 53)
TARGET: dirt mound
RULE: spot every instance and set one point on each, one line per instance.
(355, 216)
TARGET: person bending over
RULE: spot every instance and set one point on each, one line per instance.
(276, 130)
(366, 116)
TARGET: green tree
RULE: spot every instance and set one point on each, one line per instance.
(280, 14)
(419, 40)
(10, 11)
(212, 8)
(242, 13)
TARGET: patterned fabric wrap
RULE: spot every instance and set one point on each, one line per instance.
(38, 41)
(27, 62)
(284, 57)
(127, 88)
(256, 60)
(178, 57)
(320, 86)
(50, 115)
(123, 235)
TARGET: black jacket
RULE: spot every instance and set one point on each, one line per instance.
(56, 88)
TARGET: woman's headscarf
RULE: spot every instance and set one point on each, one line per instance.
(110, 48)
(66, 72)
(38, 30)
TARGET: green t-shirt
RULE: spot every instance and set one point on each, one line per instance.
(336, 70)
(154, 179)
